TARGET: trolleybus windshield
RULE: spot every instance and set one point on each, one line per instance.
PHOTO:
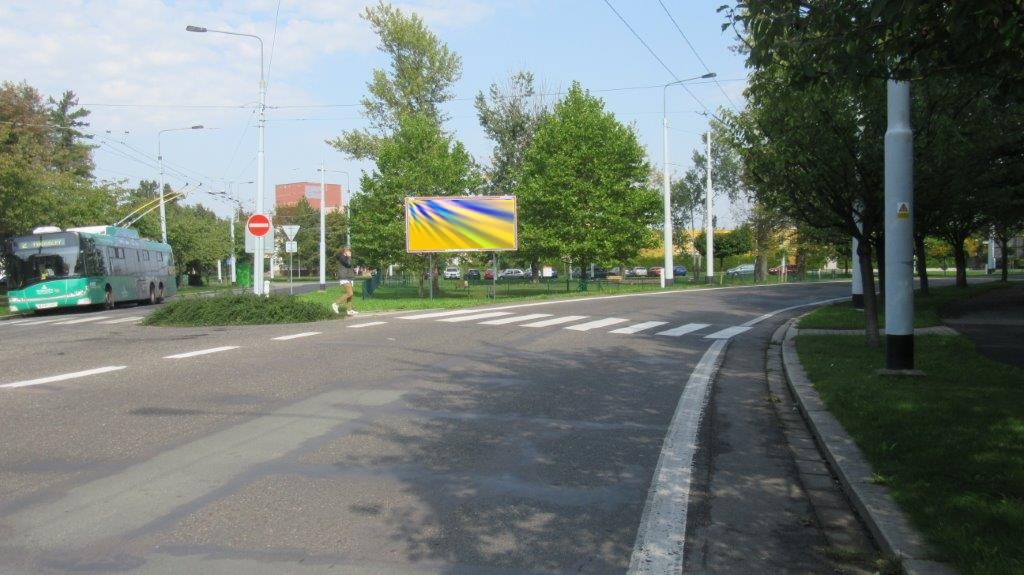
(34, 259)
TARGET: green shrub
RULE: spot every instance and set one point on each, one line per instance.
(233, 309)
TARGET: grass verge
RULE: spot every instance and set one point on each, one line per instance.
(949, 446)
(230, 309)
(927, 310)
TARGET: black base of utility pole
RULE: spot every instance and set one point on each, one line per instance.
(858, 301)
(899, 352)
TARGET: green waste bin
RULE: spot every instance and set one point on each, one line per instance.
(243, 275)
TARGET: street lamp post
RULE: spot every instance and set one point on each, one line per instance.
(231, 223)
(666, 272)
(160, 157)
(323, 224)
(257, 284)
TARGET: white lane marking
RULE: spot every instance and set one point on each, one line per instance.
(296, 336)
(758, 320)
(638, 327)
(683, 329)
(41, 321)
(16, 322)
(518, 318)
(661, 538)
(83, 320)
(476, 316)
(555, 321)
(440, 314)
(201, 352)
(597, 323)
(65, 376)
(367, 324)
(728, 332)
(122, 320)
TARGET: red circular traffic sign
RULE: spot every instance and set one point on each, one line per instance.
(258, 225)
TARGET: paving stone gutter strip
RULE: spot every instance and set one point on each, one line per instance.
(888, 525)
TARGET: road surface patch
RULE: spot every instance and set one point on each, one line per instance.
(83, 320)
(122, 320)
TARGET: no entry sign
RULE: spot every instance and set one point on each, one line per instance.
(258, 225)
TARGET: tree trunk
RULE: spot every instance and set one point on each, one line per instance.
(879, 250)
(960, 259)
(922, 263)
(867, 278)
(1004, 260)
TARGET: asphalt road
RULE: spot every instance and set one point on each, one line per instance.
(478, 441)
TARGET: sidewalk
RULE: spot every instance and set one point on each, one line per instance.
(994, 322)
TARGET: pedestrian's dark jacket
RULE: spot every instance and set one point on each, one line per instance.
(345, 269)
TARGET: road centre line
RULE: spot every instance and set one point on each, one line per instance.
(597, 323)
(202, 352)
(728, 332)
(296, 336)
(683, 329)
(661, 538)
(367, 324)
(83, 320)
(638, 327)
(556, 321)
(518, 318)
(64, 377)
(476, 316)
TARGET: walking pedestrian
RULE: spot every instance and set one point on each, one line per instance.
(346, 276)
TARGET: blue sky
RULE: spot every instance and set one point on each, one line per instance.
(132, 63)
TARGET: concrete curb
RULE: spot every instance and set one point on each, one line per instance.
(937, 330)
(887, 524)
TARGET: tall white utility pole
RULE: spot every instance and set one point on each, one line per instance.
(323, 231)
(666, 271)
(899, 230)
(160, 157)
(709, 232)
(257, 271)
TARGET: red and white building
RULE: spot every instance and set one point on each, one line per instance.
(290, 194)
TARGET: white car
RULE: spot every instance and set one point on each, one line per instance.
(451, 273)
(637, 272)
(511, 273)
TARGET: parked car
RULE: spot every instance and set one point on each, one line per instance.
(472, 274)
(598, 273)
(678, 271)
(489, 274)
(654, 271)
(451, 273)
(740, 270)
(790, 269)
(637, 272)
(511, 273)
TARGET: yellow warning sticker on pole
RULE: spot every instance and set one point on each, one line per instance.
(903, 211)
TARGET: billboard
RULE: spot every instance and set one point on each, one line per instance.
(461, 224)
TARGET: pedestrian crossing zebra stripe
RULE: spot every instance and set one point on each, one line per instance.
(438, 314)
(727, 332)
(597, 324)
(637, 328)
(684, 329)
(556, 321)
(475, 316)
(515, 319)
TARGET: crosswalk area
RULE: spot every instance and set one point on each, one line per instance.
(72, 320)
(581, 323)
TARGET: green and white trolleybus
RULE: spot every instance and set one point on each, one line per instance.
(95, 265)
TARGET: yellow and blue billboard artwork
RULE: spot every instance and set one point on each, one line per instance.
(461, 224)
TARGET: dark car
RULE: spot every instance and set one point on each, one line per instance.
(740, 270)
(679, 271)
(598, 273)
(472, 274)
(790, 269)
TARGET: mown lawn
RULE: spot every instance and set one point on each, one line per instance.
(949, 445)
